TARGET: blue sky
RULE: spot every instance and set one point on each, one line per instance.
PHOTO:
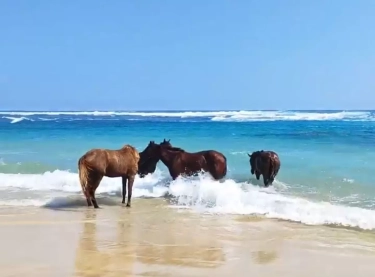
(170, 55)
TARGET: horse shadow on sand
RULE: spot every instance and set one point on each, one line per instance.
(74, 202)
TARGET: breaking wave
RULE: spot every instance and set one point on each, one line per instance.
(17, 119)
(230, 116)
(198, 194)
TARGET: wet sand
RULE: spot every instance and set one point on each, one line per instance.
(152, 239)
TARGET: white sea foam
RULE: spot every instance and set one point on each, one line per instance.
(199, 194)
(240, 153)
(68, 182)
(216, 115)
(17, 119)
(293, 116)
(48, 119)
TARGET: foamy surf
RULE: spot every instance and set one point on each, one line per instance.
(229, 116)
(64, 181)
(199, 194)
(230, 198)
(17, 119)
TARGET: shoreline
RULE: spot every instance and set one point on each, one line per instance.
(152, 239)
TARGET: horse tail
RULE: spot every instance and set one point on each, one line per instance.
(225, 166)
(83, 175)
(277, 166)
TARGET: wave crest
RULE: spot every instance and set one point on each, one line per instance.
(229, 116)
(199, 194)
(17, 119)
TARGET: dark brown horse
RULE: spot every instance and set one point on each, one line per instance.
(97, 163)
(265, 163)
(147, 162)
(180, 162)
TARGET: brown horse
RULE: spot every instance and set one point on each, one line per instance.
(147, 163)
(180, 162)
(97, 163)
(265, 163)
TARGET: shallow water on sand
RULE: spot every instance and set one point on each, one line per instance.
(151, 239)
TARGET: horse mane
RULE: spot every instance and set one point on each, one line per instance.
(256, 153)
(175, 149)
(133, 151)
(128, 146)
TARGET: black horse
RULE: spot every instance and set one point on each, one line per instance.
(147, 163)
(179, 162)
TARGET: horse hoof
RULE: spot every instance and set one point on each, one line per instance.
(128, 205)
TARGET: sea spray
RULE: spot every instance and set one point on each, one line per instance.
(199, 194)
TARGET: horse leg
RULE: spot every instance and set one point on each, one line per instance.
(214, 173)
(266, 181)
(124, 179)
(93, 189)
(272, 177)
(217, 171)
(93, 199)
(130, 190)
(85, 192)
(173, 174)
(257, 174)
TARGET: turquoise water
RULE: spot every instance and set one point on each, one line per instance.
(326, 174)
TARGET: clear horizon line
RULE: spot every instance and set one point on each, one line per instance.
(187, 110)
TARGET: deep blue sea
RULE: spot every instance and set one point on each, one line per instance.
(327, 173)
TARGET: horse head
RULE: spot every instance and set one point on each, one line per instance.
(166, 143)
(152, 150)
(148, 166)
(149, 159)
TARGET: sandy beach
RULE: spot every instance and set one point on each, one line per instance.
(153, 239)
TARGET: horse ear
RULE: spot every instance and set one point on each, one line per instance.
(249, 155)
(164, 140)
(169, 140)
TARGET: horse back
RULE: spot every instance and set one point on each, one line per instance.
(267, 161)
(210, 160)
(122, 162)
(112, 163)
(191, 157)
(273, 157)
(186, 161)
(213, 156)
(95, 159)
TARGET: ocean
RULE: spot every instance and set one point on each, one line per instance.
(326, 175)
